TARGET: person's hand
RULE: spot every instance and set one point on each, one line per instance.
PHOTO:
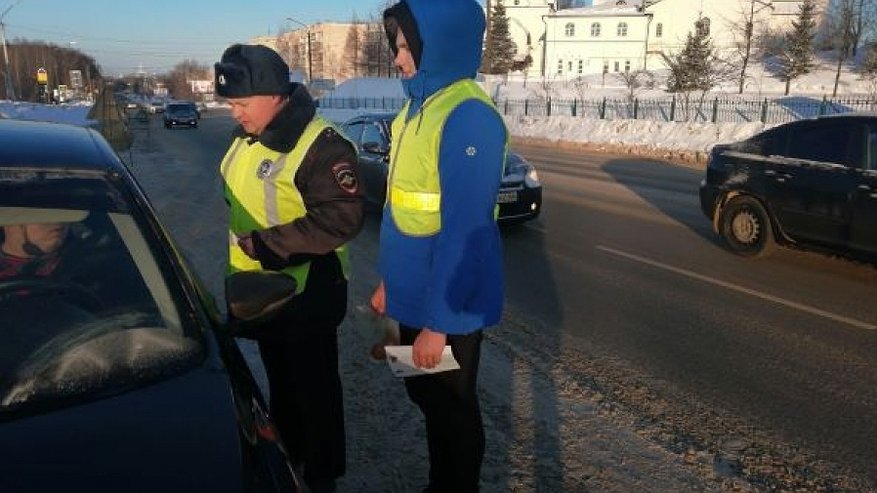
(428, 348)
(246, 244)
(378, 300)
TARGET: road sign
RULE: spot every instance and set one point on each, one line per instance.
(42, 76)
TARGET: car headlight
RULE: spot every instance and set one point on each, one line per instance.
(531, 178)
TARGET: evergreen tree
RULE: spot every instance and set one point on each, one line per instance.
(499, 50)
(693, 68)
(796, 58)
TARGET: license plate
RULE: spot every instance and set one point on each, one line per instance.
(507, 197)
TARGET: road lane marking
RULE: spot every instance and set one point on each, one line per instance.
(740, 289)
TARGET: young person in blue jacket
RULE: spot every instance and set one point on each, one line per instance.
(440, 254)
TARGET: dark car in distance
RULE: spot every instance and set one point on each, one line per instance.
(811, 183)
(520, 193)
(117, 372)
(181, 114)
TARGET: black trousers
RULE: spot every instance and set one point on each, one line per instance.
(300, 353)
(449, 402)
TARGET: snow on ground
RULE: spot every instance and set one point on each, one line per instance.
(683, 140)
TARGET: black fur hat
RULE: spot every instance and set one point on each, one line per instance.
(251, 70)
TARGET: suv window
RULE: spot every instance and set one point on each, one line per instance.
(827, 143)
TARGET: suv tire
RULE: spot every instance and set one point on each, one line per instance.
(746, 227)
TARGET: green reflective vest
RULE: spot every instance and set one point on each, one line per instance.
(260, 188)
(413, 188)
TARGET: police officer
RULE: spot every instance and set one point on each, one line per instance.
(440, 258)
(291, 184)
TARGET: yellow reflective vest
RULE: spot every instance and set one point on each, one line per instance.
(413, 188)
(260, 188)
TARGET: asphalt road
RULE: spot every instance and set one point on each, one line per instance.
(769, 366)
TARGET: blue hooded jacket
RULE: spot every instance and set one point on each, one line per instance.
(451, 282)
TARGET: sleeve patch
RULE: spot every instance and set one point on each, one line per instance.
(345, 176)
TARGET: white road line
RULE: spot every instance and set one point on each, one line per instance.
(740, 289)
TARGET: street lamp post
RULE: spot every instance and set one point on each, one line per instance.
(310, 57)
(10, 89)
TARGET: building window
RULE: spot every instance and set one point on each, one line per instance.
(622, 29)
(627, 65)
(581, 67)
(517, 2)
(570, 29)
(659, 30)
(703, 26)
(560, 67)
(616, 66)
(569, 69)
(595, 30)
(605, 67)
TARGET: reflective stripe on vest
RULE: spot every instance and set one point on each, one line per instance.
(414, 191)
(260, 188)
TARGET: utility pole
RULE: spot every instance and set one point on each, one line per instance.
(10, 88)
(310, 56)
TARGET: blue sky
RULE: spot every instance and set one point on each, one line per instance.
(126, 35)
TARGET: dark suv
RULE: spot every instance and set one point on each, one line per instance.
(520, 193)
(810, 182)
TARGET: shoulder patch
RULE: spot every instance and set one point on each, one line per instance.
(345, 176)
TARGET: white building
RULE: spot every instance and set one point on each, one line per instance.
(619, 35)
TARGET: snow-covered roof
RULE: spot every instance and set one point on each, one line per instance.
(608, 8)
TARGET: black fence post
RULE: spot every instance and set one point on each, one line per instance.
(506, 107)
(526, 107)
(673, 109)
(574, 103)
(764, 111)
(635, 108)
(603, 109)
(548, 108)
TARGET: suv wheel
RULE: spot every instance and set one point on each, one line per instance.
(746, 227)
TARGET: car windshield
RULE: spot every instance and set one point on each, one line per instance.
(181, 109)
(85, 307)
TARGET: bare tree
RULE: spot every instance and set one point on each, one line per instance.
(353, 48)
(180, 77)
(25, 57)
(840, 33)
(633, 81)
(746, 34)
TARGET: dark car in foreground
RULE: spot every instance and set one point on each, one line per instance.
(181, 114)
(520, 194)
(811, 183)
(117, 372)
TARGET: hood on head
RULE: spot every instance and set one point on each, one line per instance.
(451, 36)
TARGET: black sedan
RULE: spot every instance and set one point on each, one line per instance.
(520, 193)
(116, 371)
(180, 114)
(811, 183)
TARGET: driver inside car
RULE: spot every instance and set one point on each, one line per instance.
(31, 249)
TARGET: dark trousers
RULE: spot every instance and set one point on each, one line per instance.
(300, 353)
(449, 402)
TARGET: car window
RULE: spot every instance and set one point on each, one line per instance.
(768, 143)
(86, 309)
(372, 133)
(827, 143)
(872, 147)
(354, 131)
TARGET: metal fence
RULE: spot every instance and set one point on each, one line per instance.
(678, 109)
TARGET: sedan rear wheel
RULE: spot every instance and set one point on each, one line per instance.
(745, 226)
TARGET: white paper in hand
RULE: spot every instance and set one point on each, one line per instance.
(401, 362)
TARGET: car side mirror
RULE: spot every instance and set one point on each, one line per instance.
(375, 148)
(255, 297)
